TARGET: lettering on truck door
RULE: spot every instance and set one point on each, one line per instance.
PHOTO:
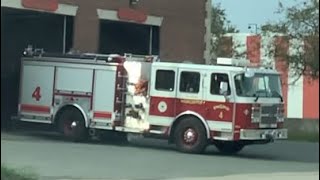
(190, 95)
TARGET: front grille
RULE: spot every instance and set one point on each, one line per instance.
(269, 119)
(269, 114)
(269, 109)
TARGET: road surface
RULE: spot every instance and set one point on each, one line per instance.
(52, 158)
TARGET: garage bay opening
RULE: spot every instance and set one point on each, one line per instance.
(20, 28)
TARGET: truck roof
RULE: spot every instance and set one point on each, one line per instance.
(237, 69)
(101, 59)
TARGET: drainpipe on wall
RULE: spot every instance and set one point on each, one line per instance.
(207, 35)
(64, 34)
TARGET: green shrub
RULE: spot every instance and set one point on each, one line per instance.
(16, 174)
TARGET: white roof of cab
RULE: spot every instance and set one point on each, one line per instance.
(236, 69)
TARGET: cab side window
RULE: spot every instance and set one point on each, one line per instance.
(189, 82)
(216, 79)
(165, 80)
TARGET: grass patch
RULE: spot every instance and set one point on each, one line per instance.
(303, 136)
(16, 174)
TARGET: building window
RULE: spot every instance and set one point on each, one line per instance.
(216, 79)
(118, 37)
(165, 80)
(189, 82)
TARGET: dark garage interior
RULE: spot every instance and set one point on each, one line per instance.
(20, 28)
(121, 37)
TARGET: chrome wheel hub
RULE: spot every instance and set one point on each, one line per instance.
(190, 136)
(73, 124)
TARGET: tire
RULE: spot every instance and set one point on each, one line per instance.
(72, 125)
(190, 136)
(229, 147)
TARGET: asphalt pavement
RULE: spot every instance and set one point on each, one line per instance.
(48, 155)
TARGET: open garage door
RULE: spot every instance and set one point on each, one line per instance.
(20, 28)
(122, 37)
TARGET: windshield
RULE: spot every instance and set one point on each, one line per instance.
(259, 85)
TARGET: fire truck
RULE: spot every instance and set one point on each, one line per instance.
(231, 104)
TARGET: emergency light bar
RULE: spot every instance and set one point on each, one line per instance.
(241, 63)
(233, 62)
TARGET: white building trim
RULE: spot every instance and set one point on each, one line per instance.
(112, 15)
(63, 9)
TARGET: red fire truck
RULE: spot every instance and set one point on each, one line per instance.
(231, 104)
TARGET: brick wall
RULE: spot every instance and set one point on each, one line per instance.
(181, 34)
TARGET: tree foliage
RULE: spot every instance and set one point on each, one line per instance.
(220, 25)
(300, 25)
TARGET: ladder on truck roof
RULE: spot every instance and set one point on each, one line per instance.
(40, 53)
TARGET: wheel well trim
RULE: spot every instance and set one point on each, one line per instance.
(77, 106)
(192, 113)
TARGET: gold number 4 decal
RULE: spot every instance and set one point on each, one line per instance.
(221, 115)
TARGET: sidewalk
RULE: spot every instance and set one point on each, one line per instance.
(273, 176)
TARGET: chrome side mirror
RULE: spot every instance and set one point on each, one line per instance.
(249, 73)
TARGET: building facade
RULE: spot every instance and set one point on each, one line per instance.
(176, 30)
(181, 25)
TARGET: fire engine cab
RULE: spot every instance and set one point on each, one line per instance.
(231, 104)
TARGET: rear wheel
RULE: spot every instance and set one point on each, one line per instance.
(72, 125)
(190, 136)
(229, 147)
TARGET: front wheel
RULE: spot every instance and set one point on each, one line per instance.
(229, 147)
(190, 136)
(72, 125)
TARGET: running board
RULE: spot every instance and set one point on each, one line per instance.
(19, 118)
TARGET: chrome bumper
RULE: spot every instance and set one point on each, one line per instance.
(263, 134)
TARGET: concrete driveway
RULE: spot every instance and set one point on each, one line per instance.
(52, 158)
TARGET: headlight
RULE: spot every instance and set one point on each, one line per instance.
(280, 119)
(255, 113)
(280, 113)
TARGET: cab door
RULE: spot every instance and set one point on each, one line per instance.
(190, 91)
(219, 107)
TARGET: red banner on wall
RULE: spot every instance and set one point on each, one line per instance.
(129, 14)
(46, 5)
(253, 48)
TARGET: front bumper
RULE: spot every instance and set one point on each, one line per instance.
(263, 134)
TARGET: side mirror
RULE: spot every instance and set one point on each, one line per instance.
(239, 78)
(224, 88)
(249, 73)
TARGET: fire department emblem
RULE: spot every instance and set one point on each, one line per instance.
(222, 108)
(162, 106)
